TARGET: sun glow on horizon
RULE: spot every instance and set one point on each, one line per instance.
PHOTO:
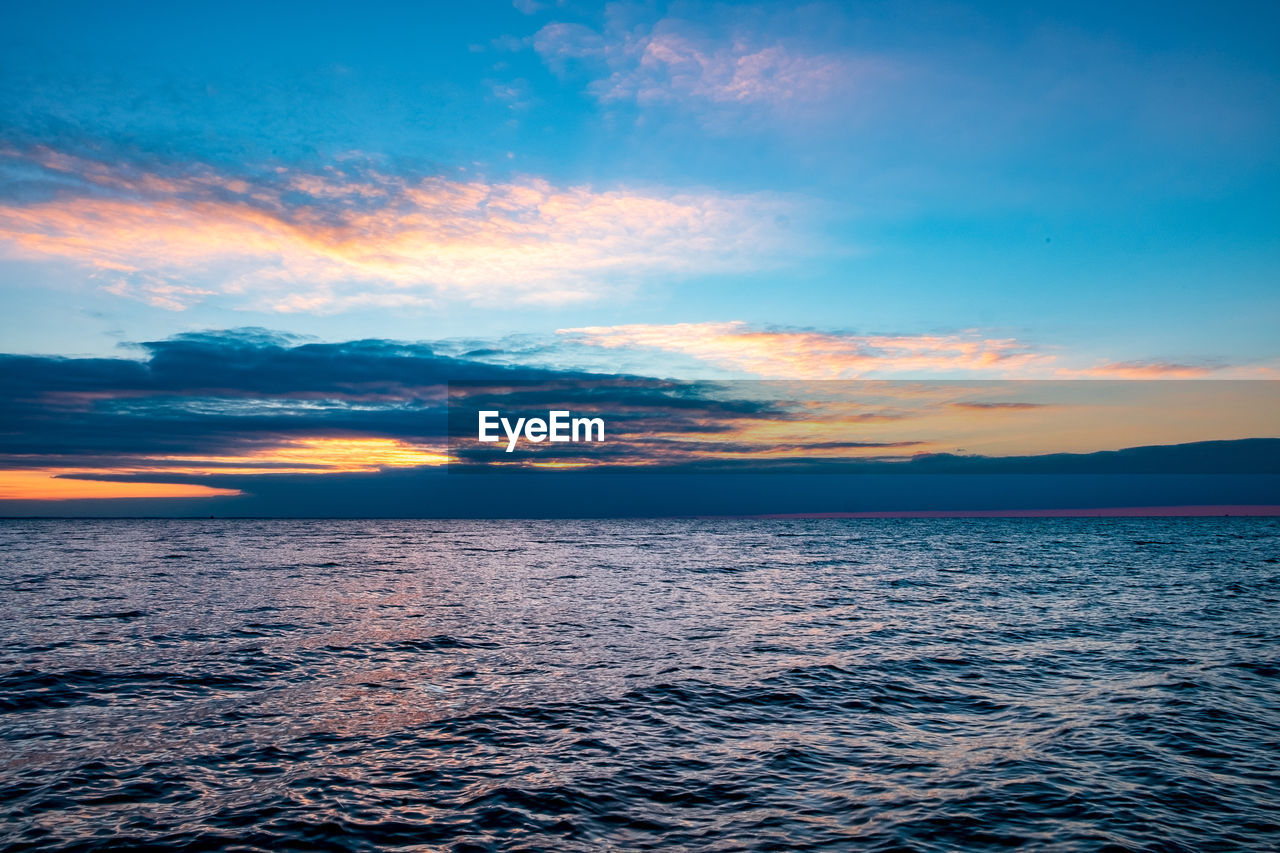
(299, 456)
(64, 484)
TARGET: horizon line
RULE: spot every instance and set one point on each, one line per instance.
(1185, 511)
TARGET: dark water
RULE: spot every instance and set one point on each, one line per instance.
(1076, 684)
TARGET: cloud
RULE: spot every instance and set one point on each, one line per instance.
(790, 354)
(1149, 370)
(245, 403)
(1167, 369)
(985, 406)
(227, 394)
(674, 61)
(349, 235)
(807, 354)
(251, 402)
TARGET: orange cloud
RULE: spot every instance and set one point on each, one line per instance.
(816, 355)
(334, 239)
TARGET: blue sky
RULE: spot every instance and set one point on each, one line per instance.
(1097, 183)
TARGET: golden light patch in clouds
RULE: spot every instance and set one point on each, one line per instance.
(329, 240)
(313, 456)
(816, 355)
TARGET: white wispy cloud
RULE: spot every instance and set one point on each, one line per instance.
(675, 61)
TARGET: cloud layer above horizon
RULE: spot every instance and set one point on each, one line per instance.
(217, 410)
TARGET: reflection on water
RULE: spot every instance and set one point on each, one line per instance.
(703, 685)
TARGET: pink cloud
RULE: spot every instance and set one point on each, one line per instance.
(336, 238)
(806, 354)
(1167, 369)
(817, 355)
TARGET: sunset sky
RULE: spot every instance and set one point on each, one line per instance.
(195, 195)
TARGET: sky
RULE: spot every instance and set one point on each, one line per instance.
(795, 191)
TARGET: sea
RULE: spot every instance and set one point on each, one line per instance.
(1073, 684)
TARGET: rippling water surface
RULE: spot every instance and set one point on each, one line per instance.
(1073, 684)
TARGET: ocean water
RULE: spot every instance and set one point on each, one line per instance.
(932, 685)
